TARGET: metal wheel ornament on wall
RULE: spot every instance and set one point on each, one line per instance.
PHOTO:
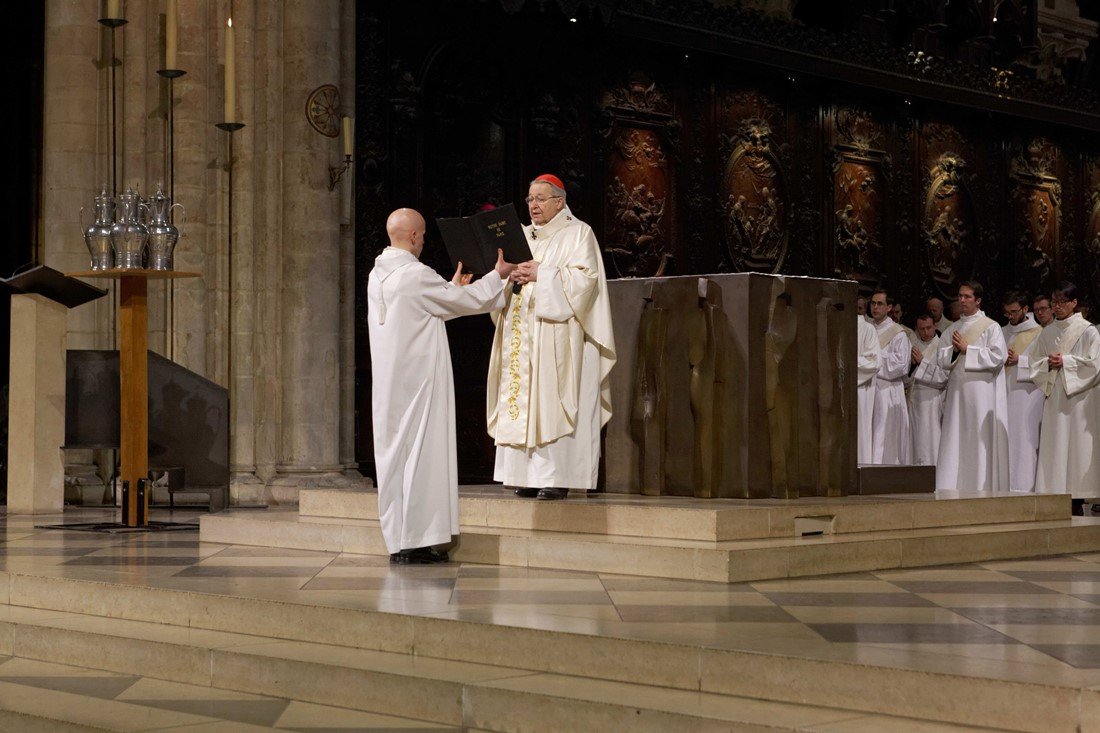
(323, 110)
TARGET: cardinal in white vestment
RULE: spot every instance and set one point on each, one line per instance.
(412, 390)
(973, 457)
(1025, 400)
(928, 382)
(890, 419)
(866, 368)
(1065, 364)
(548, 390)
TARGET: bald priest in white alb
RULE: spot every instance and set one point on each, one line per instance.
(548, 388)
(413, 405)
(973, 457)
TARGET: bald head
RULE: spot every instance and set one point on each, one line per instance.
(405, 228)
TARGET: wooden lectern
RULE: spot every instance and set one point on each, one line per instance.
(133, 343)
(40, 299)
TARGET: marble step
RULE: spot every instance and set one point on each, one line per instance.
(438, 692)
(366, 659)
(714, 520)
(724, 562)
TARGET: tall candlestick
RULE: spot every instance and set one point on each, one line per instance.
(114, 8)
(230, 75)
(347, 137)
(170, 35)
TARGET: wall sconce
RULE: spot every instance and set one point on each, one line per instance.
(336, 173)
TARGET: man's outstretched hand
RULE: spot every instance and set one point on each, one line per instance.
(461, 278)
(504, 269)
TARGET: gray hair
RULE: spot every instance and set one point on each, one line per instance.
(553, 189)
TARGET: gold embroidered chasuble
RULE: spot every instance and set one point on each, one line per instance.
(536, 362)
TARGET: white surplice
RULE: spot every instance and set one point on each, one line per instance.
(867, 354)
(926, 405)
(973, 456)
(548, 388)
(412, 394)
(890, 419)
(1068, 459)
(943, 324)
(1025, 407)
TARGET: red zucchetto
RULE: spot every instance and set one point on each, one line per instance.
(552, 180)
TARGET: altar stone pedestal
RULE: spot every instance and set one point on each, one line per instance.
(733, 386)
(36, 406)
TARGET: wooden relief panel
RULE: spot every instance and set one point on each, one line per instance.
(641, 134)
(1037, 205)
(860, 198)
(753, 192)
(949, 225)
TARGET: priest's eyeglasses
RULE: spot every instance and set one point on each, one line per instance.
(540, 199)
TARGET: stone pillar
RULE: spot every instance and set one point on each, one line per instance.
(36, 408)
(75, 165)
(242, 400)
(310, 260)
(347, 253)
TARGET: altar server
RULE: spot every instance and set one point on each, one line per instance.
(413, 390)
(890, 420)
(549, 389)
(1065, 364)
(1025, 400)
(866, 368)
(926, 394)
(973, 456)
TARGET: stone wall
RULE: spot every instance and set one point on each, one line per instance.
(280, 334)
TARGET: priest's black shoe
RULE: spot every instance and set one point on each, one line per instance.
(551, 494)
(422, 556)
(527, 493)
(396, 558)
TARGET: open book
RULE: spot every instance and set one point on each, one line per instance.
(474, 240)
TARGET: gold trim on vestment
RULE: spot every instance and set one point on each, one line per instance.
(513, 361)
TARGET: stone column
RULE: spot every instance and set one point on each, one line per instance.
(347, 253)
(310, 263)
(75, 164)
(242, 441)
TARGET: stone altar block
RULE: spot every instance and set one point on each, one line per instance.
(36, 405)
(736, 386)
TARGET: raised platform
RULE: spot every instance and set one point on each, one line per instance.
(691, 539)
(486, 649)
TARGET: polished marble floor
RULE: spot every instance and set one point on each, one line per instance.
(1022, 618)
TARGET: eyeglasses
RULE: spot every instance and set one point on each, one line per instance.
(1059, 301)
(540, 199)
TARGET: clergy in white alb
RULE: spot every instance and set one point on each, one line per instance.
(1065, 365)
(973, 456)
(927, 384)
(890, 417)
(548, 388)
(412, 388)
(866, 369)
(1025, 400)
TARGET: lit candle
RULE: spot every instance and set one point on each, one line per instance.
(347, 137)
(230, 75)
(170, 35)
(113, 8)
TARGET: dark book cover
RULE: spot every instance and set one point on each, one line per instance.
(474, 240)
